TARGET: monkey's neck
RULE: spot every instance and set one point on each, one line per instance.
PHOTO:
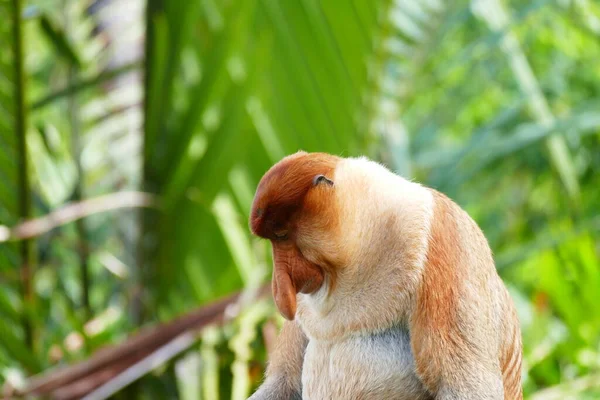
(358, 303)
(385, 235)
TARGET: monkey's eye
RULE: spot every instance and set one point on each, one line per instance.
(280, 235)
(322, 179)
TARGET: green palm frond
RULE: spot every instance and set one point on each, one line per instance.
(272, 78)
(16, 260)
(493, 102)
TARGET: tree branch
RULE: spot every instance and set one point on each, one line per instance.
(74, 211)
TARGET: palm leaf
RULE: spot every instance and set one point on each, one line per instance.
(13, 102)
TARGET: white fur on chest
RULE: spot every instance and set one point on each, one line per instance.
(375, 367)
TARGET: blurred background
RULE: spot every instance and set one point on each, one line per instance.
(133, 134)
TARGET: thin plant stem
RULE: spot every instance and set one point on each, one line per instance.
(75, 125)
(27, 257)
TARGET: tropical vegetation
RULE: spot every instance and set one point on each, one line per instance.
(133, 134)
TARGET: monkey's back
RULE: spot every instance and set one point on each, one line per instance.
(375, 367)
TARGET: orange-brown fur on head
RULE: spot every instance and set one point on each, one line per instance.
(294, 199)
(283, 193)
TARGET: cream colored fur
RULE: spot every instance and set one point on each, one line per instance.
(385, 232)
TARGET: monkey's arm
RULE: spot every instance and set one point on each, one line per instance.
(453, 366)
(284, 372)
(456, 327)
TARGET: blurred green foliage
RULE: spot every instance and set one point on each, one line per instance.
(495, 103)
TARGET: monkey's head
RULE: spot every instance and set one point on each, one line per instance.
(295, 207)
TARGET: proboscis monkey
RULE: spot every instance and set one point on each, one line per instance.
(388, 287)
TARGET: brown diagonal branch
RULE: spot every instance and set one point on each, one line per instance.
(74, 211)
(110, 362)
(135, 371)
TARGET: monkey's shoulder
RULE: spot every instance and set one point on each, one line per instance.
(375, 366)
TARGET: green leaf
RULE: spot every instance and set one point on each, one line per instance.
(59, 40)
(15, 346)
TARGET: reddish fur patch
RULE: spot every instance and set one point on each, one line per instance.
(511, 375)
(440, 347)
(511, 364)
(282, 190)
(434, 325)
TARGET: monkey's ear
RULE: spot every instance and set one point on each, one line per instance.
(317, 180)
